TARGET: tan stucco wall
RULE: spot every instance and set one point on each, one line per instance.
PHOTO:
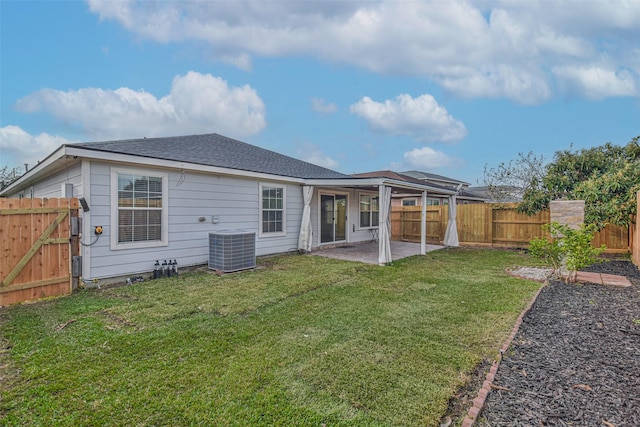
(567, 212)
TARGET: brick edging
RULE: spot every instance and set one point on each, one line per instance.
(478, 402)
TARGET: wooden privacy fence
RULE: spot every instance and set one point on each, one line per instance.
(39, 248)
(486, 224)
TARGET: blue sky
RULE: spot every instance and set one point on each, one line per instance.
(443, 87)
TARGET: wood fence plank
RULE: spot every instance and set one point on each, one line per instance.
(21, 229)
(5, 248)
(50, 260)
(486, 224)
(31, 241)
(34, 269)
(33, 250)
(34, 293)
(64, 263)
(40, 283)
(4, 211)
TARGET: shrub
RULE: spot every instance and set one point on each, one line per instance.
(568, 246)
(549, 251)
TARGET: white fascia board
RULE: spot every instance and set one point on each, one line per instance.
(345, 182)
(173, 164)
(418, 187)
(33, 173)
(371, 182)
(448, 181)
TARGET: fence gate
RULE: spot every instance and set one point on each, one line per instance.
(39, 248)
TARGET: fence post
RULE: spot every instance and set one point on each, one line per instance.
(492, 232)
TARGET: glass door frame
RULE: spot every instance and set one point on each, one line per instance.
(333, 195)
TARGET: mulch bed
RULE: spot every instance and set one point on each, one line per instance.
(576, 358)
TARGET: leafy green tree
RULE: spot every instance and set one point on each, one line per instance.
(611, 196)
(509, 181)
(606, 177)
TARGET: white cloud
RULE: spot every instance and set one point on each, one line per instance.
(321, 106)
(18, 147)
(499, 82)
(596, 82)
(473, 49)
(197, 103)
(421, 118)
(426, 158)
(313, 154)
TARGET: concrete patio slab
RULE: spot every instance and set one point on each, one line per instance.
(368, 252)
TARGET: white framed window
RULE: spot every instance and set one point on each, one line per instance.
(139, 209)
(272, 210)
(369, 210)
(410, 202)
(433, 202)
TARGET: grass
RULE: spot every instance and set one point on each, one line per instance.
(303, 341)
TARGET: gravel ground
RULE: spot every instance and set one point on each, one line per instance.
(576, 358)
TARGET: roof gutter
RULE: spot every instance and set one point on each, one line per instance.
(373, 182)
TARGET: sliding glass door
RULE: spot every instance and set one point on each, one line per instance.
(333, 218)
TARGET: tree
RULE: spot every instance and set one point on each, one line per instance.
(512, 180)
(606, 177)
(8, 175)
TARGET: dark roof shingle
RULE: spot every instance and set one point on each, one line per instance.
(432, 176)
(398, 176)
(215, 150)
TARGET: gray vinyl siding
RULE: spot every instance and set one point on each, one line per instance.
(51, 186)
(235, 201)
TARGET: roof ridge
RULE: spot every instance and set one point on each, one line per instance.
(213, 149)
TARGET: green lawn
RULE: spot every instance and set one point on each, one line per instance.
(303, 341)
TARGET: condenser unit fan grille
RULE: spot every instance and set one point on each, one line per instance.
(232, 250)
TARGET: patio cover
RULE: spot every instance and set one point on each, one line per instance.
(390, 181)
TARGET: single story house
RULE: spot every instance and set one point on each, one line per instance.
(160, 198)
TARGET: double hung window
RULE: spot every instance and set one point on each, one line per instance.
(140, 209)
(369, 211)
(272, 210)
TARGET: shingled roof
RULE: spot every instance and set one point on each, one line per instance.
(399, 177)
(427, 176)
(215, 150)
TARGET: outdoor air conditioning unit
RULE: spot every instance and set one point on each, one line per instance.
(232, 250)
